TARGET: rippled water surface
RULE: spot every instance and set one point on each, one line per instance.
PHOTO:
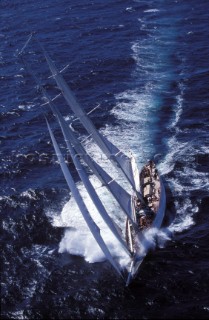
(144, 65)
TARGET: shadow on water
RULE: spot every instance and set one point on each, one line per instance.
(170, 213)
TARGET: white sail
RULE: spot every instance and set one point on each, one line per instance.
(135, 172)
(123, 197)
(129, 166)
(122, 161)
(84, 211)
(90, 189)
(113, 153)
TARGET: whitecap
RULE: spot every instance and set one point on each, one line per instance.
(151, 10)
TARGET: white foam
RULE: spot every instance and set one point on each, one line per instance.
(130, 9)
(153, 238)
(204, 149)
(136, 111)
(185, 211)
(178, 107)
(183, 224)
(30, 193)
(19, 314)
(175, 148)
(26, 107)
(151, 10)
(79, 241)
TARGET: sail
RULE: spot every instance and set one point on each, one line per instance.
(129, 166)
(135, 172)
(90, 189)
(113, 153)
(84, 211)
(122, 160)
(123, 197)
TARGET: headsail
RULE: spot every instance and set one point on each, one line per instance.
(129, 166)
(84, 211)
(112, 152)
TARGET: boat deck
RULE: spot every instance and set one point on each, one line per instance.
(150, 186)
(145, 212)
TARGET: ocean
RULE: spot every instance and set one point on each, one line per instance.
(143, 66)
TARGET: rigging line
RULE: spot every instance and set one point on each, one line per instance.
(53, 99)
(52, 76)
(76, 119)
(82, 141)
(26, 43)
(88, 113)
(57, 96)
(117, 153)
(111, 181)
(65, 67)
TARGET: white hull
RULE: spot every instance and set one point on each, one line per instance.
(146, 216)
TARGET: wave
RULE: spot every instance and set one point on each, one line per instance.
(151, 10)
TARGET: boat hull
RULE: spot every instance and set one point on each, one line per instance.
(146, 214)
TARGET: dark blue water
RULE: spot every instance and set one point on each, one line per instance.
(145, 64)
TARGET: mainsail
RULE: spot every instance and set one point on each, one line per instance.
(111, 151)
(90, 222)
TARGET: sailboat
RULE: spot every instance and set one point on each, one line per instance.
(144, 208)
